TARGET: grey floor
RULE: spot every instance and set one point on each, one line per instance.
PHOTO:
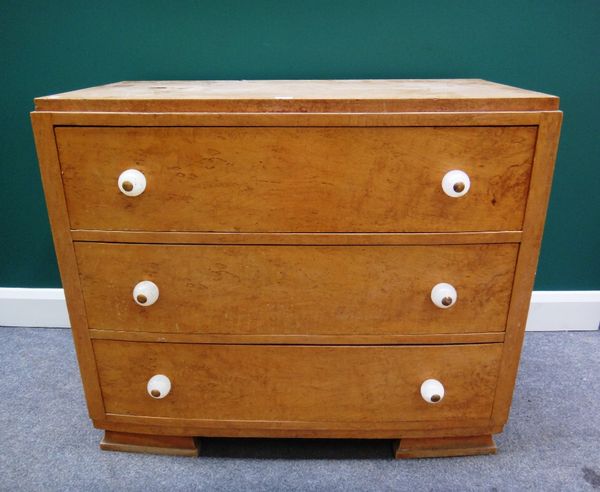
(552, 441)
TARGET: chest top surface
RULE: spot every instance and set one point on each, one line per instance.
(449, 95)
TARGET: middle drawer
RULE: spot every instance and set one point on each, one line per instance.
(307, 290)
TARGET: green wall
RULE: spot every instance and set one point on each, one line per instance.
(550, 46)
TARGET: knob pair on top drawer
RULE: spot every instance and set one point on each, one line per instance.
(455, 183)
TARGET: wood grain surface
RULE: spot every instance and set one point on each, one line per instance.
(43, 130)
(298, 383)
(444, 447)
(311, 239)
(350, 290)
(535, 216)
(306, 339)
(333, 119)
(351, 179)
(304, 429)
(300, 96)
(153, 444)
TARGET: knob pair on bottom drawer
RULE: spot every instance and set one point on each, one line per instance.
(159, 386)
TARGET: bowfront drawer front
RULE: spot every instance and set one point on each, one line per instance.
(373, 384)
(277, 179)
(297, 289)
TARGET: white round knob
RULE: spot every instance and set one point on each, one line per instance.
(159, 386)
(145, 293)
(444, 295)
(456, 183)
(132, 182)
(432, 391)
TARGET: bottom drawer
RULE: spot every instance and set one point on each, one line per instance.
(359, 384)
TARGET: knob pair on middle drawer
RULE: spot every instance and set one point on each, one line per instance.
(443, 295)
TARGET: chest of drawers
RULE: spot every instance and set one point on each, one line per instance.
(298, 258)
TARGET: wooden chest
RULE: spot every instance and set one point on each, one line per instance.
(298, 258)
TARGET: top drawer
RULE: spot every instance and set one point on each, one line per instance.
(278, 179)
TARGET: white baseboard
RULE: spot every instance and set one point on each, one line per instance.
(560, 310)
(549, 310)
(33, 307)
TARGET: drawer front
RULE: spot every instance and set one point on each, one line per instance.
(296, 289)
(298, 383)
(274, 179)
